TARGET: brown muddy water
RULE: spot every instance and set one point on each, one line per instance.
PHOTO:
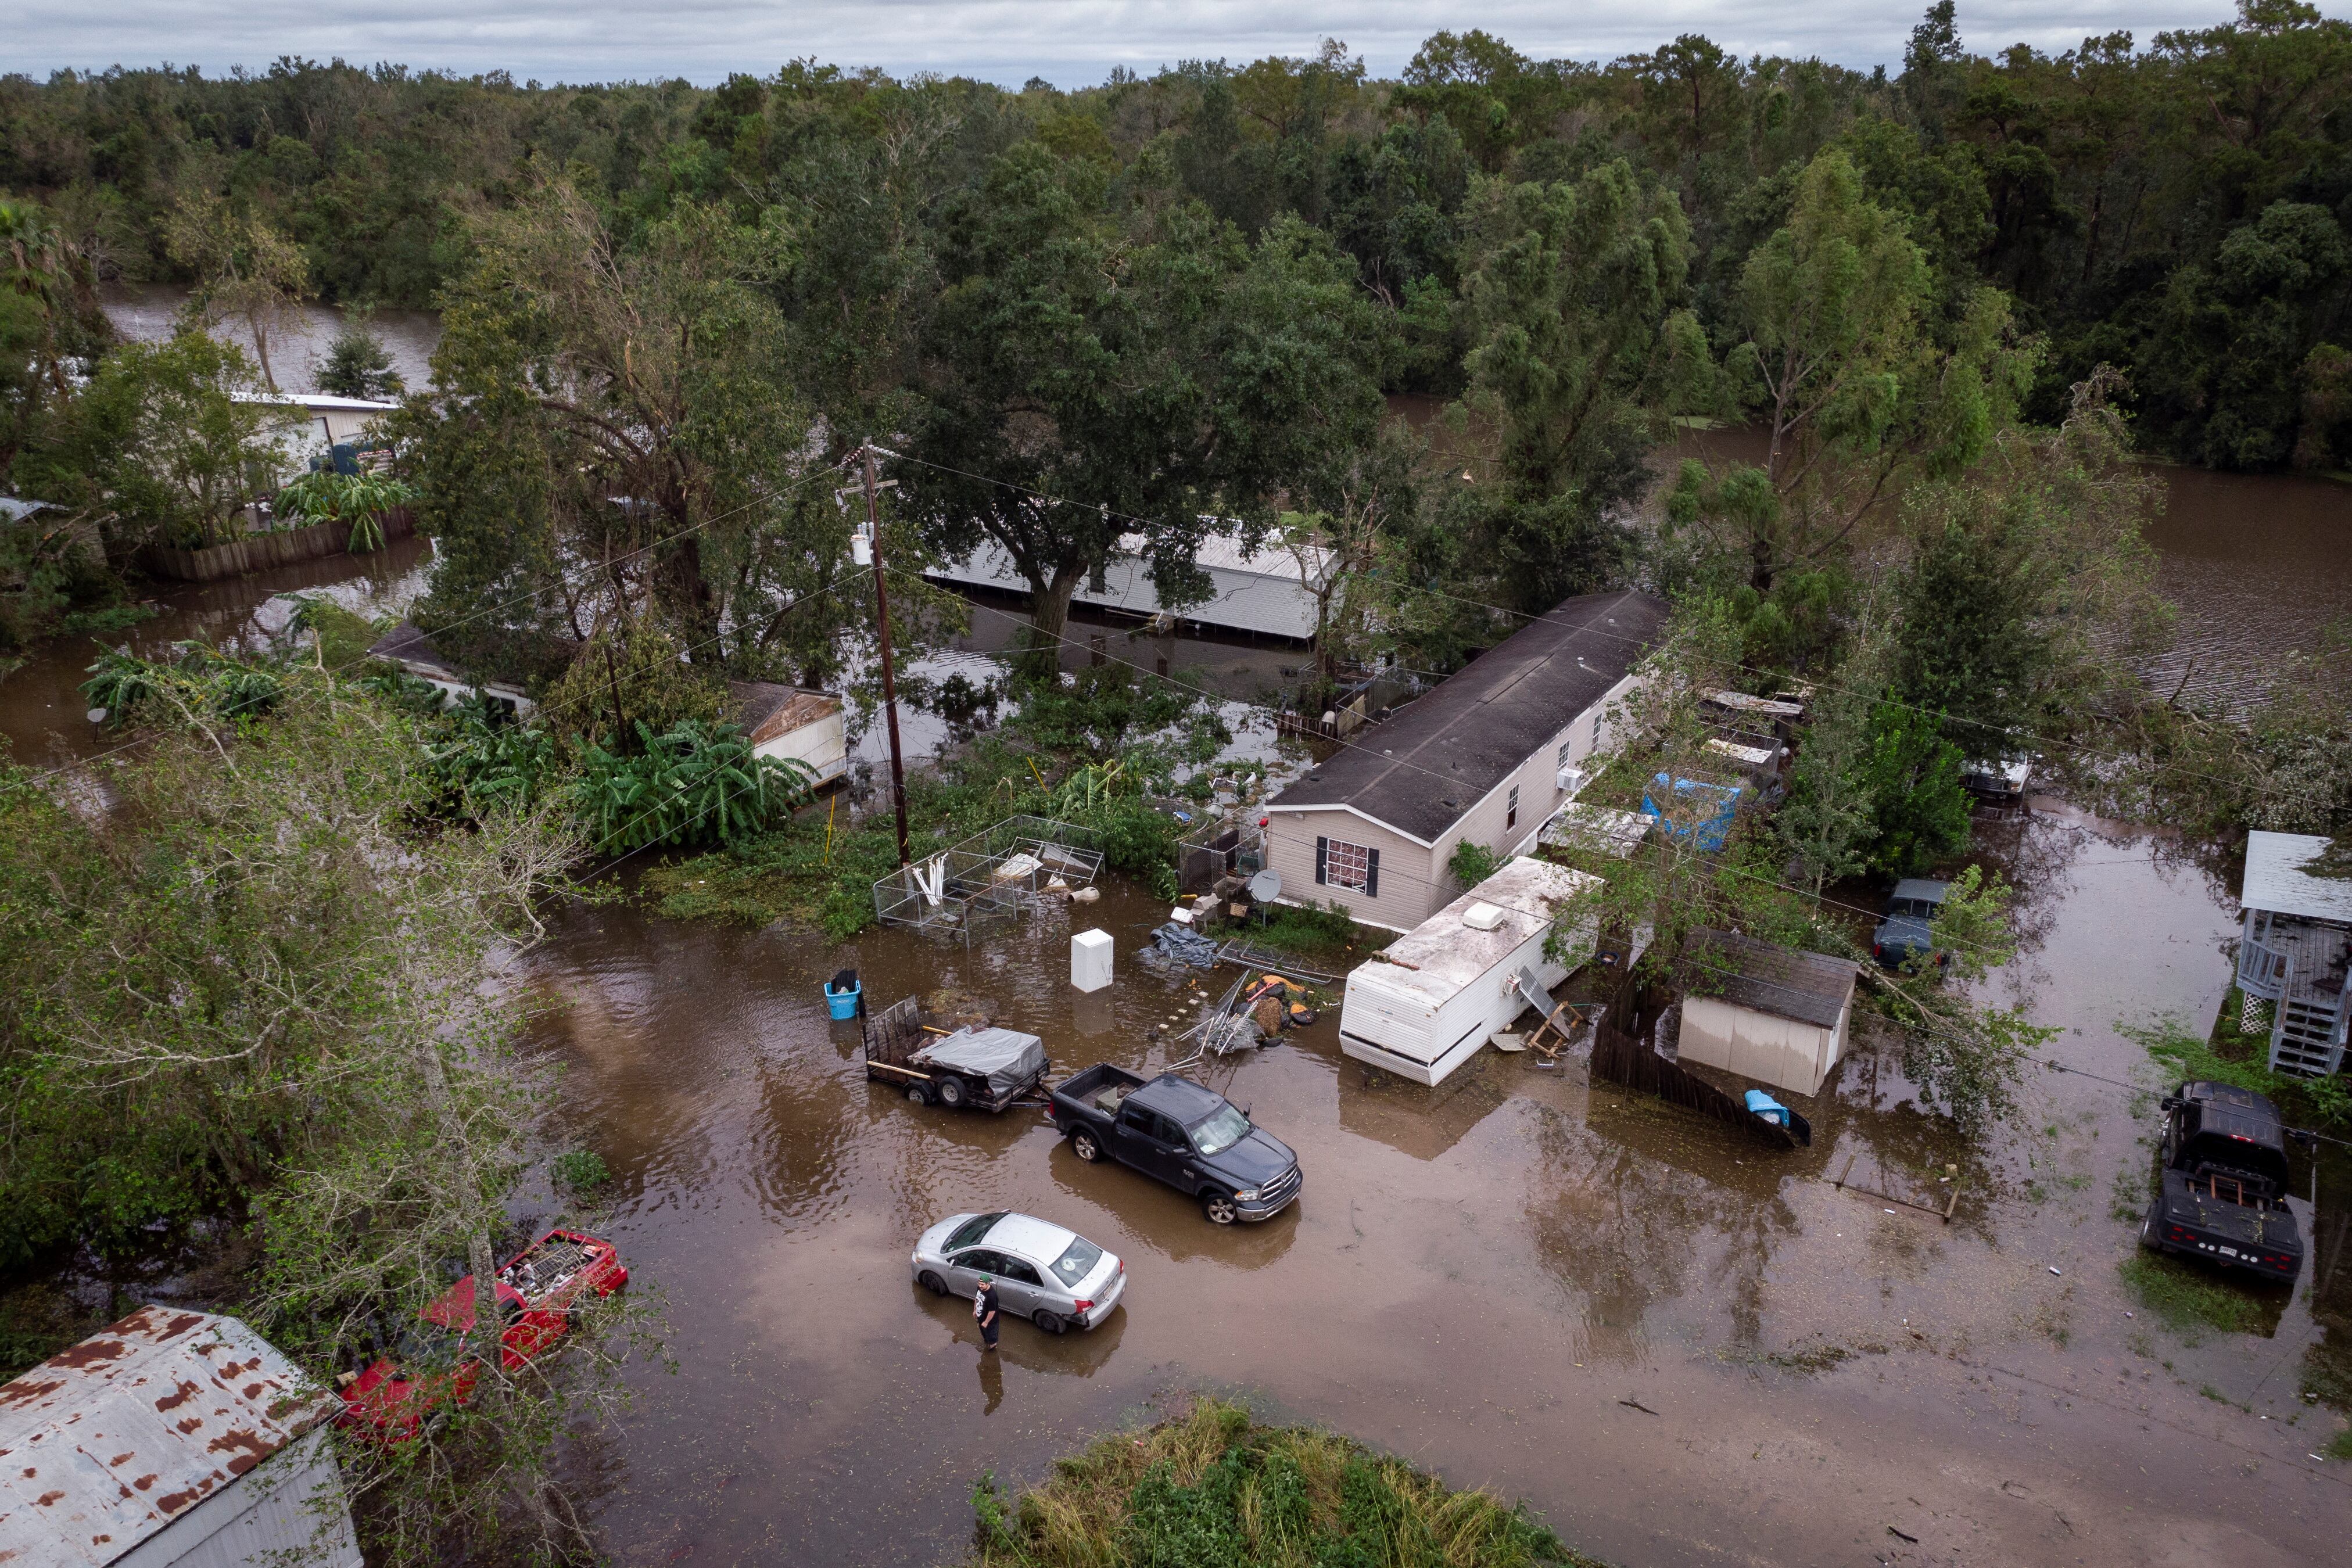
(1678, 1349)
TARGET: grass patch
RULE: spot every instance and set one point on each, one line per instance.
(1215, 1488)
(2186, 1300)
(1314, 933)
(2340, 1446)
(105, 620)
(2225, 1055)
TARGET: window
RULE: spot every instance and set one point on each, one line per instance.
(1223, 1129)
(1511, 809)
(973, 1230)
(1566, 748)
(1075, 1265)
(1343, 865)
(1019, 1273)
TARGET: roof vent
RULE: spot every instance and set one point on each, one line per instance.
(1482, 916)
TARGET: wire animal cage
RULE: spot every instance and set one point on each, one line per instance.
(998, 874)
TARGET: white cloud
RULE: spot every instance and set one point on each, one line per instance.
(1069, 42)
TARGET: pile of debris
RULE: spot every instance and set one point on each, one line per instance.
(1173, 944)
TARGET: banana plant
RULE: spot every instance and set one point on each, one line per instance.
(695, 783)
(361, 499)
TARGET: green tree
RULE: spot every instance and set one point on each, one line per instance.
(1576, 295)
(1854, 392)
(172, 450)
(1101, 383)
(358, 364)
(246, 270)
(1911, 774)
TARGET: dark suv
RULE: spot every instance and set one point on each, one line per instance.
(1907, 927)
(2222, 1189)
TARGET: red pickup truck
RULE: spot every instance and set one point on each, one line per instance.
(436, 1360)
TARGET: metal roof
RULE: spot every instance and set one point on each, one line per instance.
(1446, 752)
(2276, 882)
(1766, 977)
(104, 1445)
(1442, 956)
(766, 710)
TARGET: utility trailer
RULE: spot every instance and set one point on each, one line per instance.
(976, 1065)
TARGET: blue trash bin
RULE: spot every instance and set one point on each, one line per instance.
(1764, 1105)
(841, 995)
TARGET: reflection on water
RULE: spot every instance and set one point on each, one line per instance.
(147, 313)
(1476, 1275)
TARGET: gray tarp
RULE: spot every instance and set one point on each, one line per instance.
(1009, 1059)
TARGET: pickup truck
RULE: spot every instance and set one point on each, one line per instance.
(1177, 1132)
(2223, 1182)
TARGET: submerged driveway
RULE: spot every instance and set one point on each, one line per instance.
(1679, 1348)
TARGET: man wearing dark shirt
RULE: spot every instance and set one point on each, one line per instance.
(983, 1307)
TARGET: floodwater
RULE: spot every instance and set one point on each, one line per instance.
(147, 313)
(1677, 1348)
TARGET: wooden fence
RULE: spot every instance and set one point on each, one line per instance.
(260, 551)
(1626, 1056)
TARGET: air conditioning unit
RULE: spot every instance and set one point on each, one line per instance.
(1573, 780)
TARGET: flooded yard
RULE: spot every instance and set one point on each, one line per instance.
(1679, 1348)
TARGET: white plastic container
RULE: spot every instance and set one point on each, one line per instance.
(1090, 960)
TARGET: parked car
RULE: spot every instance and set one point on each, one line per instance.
(2221, 1193)
(1055, 1278)
(1909, 925)
(1175, 1130)
(436, 1359)
(2000, 780)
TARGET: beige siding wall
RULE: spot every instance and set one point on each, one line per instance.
(1490, 822)
(1405, 891)
(1780, 1051)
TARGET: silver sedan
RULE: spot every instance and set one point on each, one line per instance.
(1055, 1278)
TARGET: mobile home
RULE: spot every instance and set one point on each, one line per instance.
(1424, 1005)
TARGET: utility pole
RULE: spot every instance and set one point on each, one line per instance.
(889, 677)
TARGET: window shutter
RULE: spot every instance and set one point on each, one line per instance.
(1322, 848)
(1371, 873)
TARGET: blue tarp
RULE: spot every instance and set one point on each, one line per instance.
(1692, 800)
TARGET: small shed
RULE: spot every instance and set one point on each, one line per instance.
(791, 722)
(1423, 1006)
(1775, 1014)
(171, 1437)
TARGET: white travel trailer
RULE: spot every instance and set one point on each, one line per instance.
(1423, 1006)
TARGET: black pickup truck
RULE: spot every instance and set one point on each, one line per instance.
(2223, 1183)
(1172, 1129)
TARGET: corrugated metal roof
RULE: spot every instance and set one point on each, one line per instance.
(104, 1445)
(766, 710)
(2276, 880)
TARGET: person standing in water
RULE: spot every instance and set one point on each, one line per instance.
(985, 1307)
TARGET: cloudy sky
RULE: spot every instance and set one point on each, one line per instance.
(1069, 42)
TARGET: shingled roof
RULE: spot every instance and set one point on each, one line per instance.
(1444, 751)
(1766, 977)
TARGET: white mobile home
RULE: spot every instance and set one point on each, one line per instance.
(1269, 591)
(1764, 1011)
(172, 1438)
(1423, 1006)
(1488, 757)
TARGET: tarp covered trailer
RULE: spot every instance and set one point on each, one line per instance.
(1424, 1006)
(982, 1066)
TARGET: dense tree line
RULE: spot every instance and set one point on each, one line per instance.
(2173, 206)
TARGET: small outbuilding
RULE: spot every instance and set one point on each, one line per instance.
(789, 722)
(1423, 1006)
(2294, 952)
(1775, 1014)
(413, 653)
(172, 1438)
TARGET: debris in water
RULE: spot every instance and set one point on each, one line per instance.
(1900, 1536)
(2053, 1270)
(1636, 1404)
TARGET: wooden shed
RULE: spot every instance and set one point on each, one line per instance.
(172, 1437)
(1775, 1014)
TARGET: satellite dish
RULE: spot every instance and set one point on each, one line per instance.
(1265, 887)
